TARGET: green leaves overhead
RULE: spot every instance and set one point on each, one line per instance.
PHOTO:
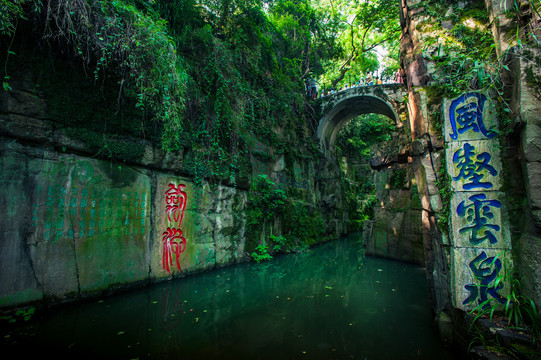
(364, 131)
(361, 28)
(212, 74)
(10, 12)
(119, 38)
(306, 40)
(461, 46)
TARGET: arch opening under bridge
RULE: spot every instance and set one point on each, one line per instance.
(340, 108)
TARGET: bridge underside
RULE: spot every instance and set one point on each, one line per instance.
(346, 109)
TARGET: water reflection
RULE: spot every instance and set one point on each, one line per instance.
(328, 303)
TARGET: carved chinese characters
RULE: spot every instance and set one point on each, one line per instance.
(174, 243)
(469, 117)
(473, 167)
(479, 224)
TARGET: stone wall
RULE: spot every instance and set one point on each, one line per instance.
(395, 230)
(525, 95)
(77, 225)
(423, 38)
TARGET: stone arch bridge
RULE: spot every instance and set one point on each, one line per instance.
(338, 109)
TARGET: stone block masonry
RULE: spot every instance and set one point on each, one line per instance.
(481, 264)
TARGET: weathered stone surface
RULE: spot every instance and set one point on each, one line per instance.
(413, 2)
(445, 327)
(109, 221)
(229, 232)
(420, 37)
(85, 226)
(528, 248)
(99, 217)
(479, 219)
(213, 227)
(339, 108)
(19, 283)
(469, 117)
(431, 162)
(417, 102)
(28, 128)
(395, 235)
(531, 142)
(390, 152)
(480, 237)
(474, 165)
(22, 101)
(175, 246)
(69, 144)
(533, 173)
(489, 265)
(502, 25)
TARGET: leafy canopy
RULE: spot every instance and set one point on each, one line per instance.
(214, 75)
(362, 29)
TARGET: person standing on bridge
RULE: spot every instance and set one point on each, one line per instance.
(313, 87)
(307, 86)
(399, 78)
(369, 79)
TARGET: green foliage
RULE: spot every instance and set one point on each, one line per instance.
(131, 70)
(360, 206)
(283, 244)
(435, 99)
(10, 13)
(308, 36)
(212, 75)
(111, 147)
(443, 182)
(361, 29)
(266, 200)
(398, 179)
(466, 57)
(203, 78)
(359, 134)
(117, 37)
(26, 314)
(519, 314)
(520, 310)
(305, 224)
(91, 114)
(353, 142)
(241, 81)
(261, 253)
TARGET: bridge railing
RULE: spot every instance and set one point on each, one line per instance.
(328, 90)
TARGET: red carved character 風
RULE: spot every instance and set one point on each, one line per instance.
(176, 200)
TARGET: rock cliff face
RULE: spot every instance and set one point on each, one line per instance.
(394, 231)
(525, 97)
(77, 224)
(515, 28)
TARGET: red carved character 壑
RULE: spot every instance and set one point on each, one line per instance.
(173, 243)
